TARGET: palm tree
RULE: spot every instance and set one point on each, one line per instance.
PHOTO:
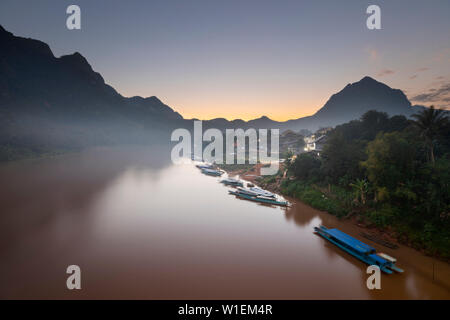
(430, 122)
(360, 187)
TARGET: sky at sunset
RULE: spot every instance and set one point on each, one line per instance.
(245, 59)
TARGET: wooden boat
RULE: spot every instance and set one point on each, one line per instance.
(212, 172)
(359, 249)
(262, 199)
(232, 182)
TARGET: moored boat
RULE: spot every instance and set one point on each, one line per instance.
(358, 249)
(262, 192)
(256, 192)
(258, 198)
(232, 182)
(204, 166)
(212, 172)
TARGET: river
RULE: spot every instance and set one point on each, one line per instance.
(140, 227)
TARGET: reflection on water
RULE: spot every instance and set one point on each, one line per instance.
(140, 227)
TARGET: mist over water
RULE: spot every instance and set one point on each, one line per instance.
(141, 227)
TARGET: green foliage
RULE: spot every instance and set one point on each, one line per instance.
(360, 188)
(390, 161)
(305, 166)
(312, 196)
(381, 167)
(341, 158)
(431, 123)
(384, 216)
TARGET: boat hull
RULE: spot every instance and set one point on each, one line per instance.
(360, 257)
(234, 184)
(214, 174)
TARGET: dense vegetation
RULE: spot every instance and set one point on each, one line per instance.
(393, 173)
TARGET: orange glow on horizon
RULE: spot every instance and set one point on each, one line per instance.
(245, 116)
(249, 111)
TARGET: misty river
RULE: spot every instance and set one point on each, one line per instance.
(142, 228)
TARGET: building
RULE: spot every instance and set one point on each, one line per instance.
(314, 143)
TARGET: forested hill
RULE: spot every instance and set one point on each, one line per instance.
(49, 103)
(387, 172)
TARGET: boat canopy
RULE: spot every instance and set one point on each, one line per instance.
(379, 260)
(387, 257)
(350, 241)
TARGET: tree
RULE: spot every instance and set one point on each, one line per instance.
(305, 165)
(431, 122)
(360, 187)
(341, 158)
(391, 164)
(373, 122)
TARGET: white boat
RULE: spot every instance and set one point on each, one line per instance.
(262, 192)
(255, 191)
(267, 200)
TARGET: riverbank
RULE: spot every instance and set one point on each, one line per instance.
(331, 200)
(316, 202)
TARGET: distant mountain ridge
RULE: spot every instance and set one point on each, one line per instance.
(350, 103)
(30, 70)
(49, 103)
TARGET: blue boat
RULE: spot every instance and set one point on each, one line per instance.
(212, 172)
(232, 182)
(358, 249)
(267, 200)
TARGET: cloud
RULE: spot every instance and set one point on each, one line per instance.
(434, 95)
(385, 72)
(440, 78)
(413, 76)
(423, 69)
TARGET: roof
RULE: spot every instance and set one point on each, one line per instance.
(387, 257)
(381, 261)
(349, 240)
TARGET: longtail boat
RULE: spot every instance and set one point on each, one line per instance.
(256, 192)
(212, 172)
(232, 182)
(256, 198)
(262, 192)
(204, 166)
(359, 249)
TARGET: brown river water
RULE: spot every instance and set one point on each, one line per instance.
(142, 228)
